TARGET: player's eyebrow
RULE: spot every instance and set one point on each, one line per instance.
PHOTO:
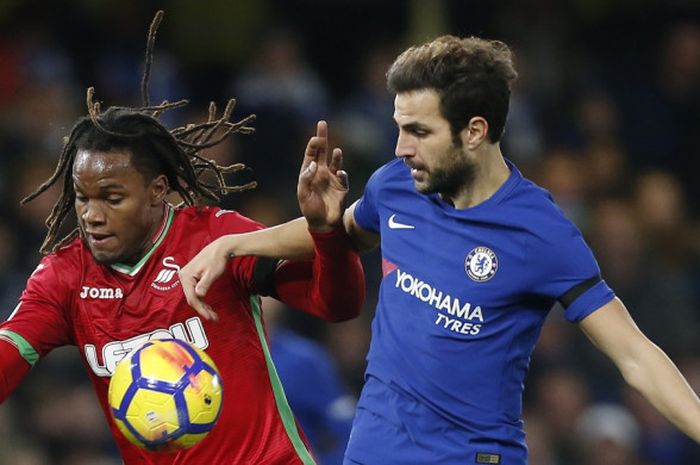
(410, 126)
(414, 126)
(112, 186)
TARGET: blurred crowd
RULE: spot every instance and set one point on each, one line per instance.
(605, 114)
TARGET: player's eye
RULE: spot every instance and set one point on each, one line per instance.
(80, 199)
(114, 200)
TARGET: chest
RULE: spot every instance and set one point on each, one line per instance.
(114, 313)
(429, 251)
(119, 303)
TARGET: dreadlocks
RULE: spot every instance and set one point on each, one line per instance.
(155, 149)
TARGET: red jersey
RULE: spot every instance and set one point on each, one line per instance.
(106, 311)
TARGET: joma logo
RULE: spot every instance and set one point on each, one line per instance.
(101, 293)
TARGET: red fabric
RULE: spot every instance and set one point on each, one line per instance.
(332, 287)
(71, 299)
(12, 368)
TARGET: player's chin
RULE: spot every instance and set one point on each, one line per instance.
(105, 257)
(421, 181)
(423, 186)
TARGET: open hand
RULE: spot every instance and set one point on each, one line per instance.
(323, 185)
(198, 275)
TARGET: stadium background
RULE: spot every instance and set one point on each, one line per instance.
(605, 114)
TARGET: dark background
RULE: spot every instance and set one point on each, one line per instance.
(605, 115)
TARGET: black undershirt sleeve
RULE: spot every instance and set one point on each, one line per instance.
(575, 292)
(264, 276)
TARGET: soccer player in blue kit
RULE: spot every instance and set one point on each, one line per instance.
(474, 257)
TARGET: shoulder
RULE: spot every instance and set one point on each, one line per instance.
(216, 220)
(60, 270)
(394, 170)
(536, 210)
(554, 244)
(394, 176)
(67, 258)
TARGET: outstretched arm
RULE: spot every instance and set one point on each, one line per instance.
(644, 365)
(321, 191)
(331, 287)
(12, 368)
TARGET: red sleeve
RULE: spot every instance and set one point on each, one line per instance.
(332, 286)
(224, 222)
(41, 318)
(12, 368)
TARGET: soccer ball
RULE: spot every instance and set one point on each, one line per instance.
(165, 395)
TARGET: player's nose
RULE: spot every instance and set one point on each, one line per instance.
(92, 213)
(403, 147)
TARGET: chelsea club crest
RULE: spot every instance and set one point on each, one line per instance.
(481, 264)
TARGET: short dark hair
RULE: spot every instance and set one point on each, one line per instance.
(471, 75)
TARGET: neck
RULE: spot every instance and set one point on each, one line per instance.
(158, 224)
(490, 173)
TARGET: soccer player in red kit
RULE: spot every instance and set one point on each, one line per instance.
(113, 283)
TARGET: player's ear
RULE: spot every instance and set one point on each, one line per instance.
(159, 189)
(475, 133)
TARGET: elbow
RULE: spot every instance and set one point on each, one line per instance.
(350, 298)
(632, 374)
(342, 318)
(347, 305)
(339, 317)
(638, 367)
(349, 309)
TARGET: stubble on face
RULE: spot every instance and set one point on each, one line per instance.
(454, 173)
(438, 161)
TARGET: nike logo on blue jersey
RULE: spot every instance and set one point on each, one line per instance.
(393, 224)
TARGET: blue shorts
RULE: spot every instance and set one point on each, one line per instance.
(392, 428)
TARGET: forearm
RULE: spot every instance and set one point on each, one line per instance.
(332, 286)
(289, 240)
(644, 366)
(656, 377)
(12, 368)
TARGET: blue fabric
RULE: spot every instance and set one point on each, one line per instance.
(315, 393)
(463, 299)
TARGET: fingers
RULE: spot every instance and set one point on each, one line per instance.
(322, 135)
(202, 287)
(343, 179)
(308, 172)
(206, 312)
(322, 129)
(315, 152)
(317, 147)
(194, 293)
(200, 292)
(336, 160)
(336, 167)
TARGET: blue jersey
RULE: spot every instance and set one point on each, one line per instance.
(315, 393)
(464, 296)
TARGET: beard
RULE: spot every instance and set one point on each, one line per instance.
(455, 174)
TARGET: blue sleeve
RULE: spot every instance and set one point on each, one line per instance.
(589, 301)
(336, 410)
(560, 260)
(315, 393)
(366, 210)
